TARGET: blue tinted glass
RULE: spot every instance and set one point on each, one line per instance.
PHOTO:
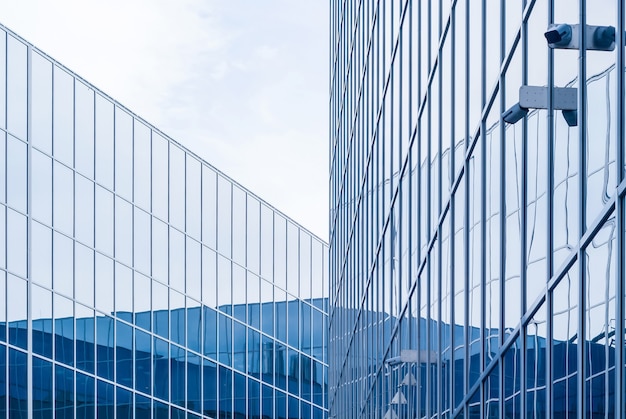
(268, 402)
(317, 382)
(267, 357)
(281, 405)
(193, 382)
(209, 379)
(143, 319)
(124, 353)
(240, 396)
(305, 328)
(177, 413)
(280, 365)
(281, 321)
(18, 391)
(142, 407)
(293, 323)
(105, 400)
(318, 333)
(226, 392)
(143, 358)
(161, 383)
(64, 392)
(225, 328)
(84, 344)
(178, 375)
(42, 337)
(3, 380)
(294, 372)
(239, 346)
(305, 379)
(178, 323)
(254, 398)
(254, 353)
(42, 389)
(16, 289)
(294, 408)
(161, 323)
(210, 333)
(124, 404)
(254, 315)
(161, 411)
(64, 340)
(267, 317)
(104, 349)
(85, 397)
(317, 413)
(239, 311)
(194, 330)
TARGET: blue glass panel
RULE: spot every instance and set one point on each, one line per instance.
(143, 359)
(210, 333)
(124, 404)
(16, 310)
(267, 317)
(177, 413)
(85, 358)
(106, 401)
(161, 383)
(161, 411)
(3, 380)
(42, 389)
(318, 369)
(280, 364)
(305, 378)
(104, 349)
(18, 390)
(225, 328)
(64, 339)
(305, 410)
(64, 392)
(254, 398)
(240, 395)
(177, 313)
(254, 313)
(85, 397)
(194, 329)
(294, 408)
(124, 353)
(268, 402)
(305, 328)
(42, 337)
(267, 360)
(209, 379)
(281, 319)
(161, 323)
(226, 392)
(142, 407)
(254, 353)
(294, 372)
(318, 413)
(293, 323)
(281, 405)
(194, 379)
(239, 346)
(239, 310)
(178, 375)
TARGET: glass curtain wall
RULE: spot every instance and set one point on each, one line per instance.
(476, 266)
(135, 279)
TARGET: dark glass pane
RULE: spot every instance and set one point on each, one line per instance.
(3, 380)
(210, 333)
(280, 365)
(281, 405)
(267, 360)
(85, 334)
(64, 330)
(193, 382)
(268, 402)
(64, 392)
(124, 404)
(293, 323)
(240, 396)
(161, 411)
(209, 378)
(225, 328)
(239, 346)
(85, 397)
(124, 352)
(161, 364)
(194, 330)
(42, 389)
(293, 379)
(177, 413)
(143, 359)
(226, 392)
(18, 390)
(106, 406)
(281, 316)
(104, 348)
(293, 408)
(178, 375)
(254, 398)
(254, 353)
(142, 407)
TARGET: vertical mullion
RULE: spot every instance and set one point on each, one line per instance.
(483, 204)
(29, 261)
(582, 214)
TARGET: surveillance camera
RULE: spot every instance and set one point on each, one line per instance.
(559, 35)
(514, 114)
(604, 37)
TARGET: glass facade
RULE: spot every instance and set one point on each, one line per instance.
(476, 266)
(135, 279)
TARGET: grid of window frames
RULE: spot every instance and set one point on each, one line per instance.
(476, 267)
(136, 280)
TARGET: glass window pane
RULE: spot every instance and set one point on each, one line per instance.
(84, 274)
(193, 382)
(41, 255)
(3, 43)
(178, 375)
(267, 243)
(194, 325)
(142, 294)
(105, 400)
(209, 379)
(177, 259)
(224, 216)
(160, 256)
(16, 238)
(123, 292)
(161, 368)
(42, 321)
(105, 329)
(177, 314)
(160, 309)
(225, 339)
(124, 404)
(16, 87)
(210, 333)
(16, 172)
(64, 392)
(124, 354)
(177, 187)
(84, 216)
(209, 207)
(293, 241)
(123, 154)
(194, 197)
(254, 298)
(209, 274)
(18, 384)
(63, 117)
(63, 330)
(141, 169)
(41, 108)
(224, 284)
(239, 225)
(192, 272)
(63, 199)
(63, 264)
(84, 126)
(104, 221)
(253, 234)
(143, 359)
(85, 396)
(104, 142)
(141, 241)
(85, 339)
(104, 284)
(160, 160)
(123, 231)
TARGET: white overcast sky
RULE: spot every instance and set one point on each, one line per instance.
(242, 83)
